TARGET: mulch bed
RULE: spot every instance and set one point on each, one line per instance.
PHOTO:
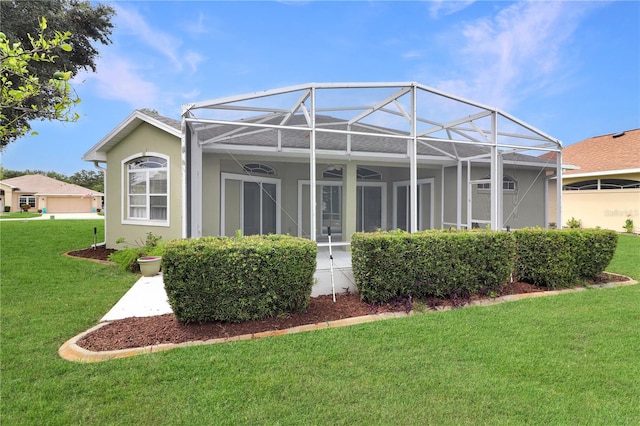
(147, 331)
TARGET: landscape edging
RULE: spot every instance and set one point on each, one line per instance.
(70, 351)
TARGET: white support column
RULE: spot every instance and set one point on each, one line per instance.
(469, 197)
(183, 168)
(495, 225)
(500, 192)
(559, 189)
(349, 200)
(312, 167)
(442, 197)
(459, 195)
(413, 163)
(196, 187)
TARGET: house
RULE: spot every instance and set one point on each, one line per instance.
(604, 189)
(315, 159)
(47, 194)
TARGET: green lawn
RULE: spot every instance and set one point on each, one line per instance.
(19, 215)
(570, 359)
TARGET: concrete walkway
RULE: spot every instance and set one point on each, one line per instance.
(146, 298)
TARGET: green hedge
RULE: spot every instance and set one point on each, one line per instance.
(387, 265)
(238, 279)
(561, 258)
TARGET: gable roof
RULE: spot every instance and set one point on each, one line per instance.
(44, 185)
(606, 153)
(99, 151)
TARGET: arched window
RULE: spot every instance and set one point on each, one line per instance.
(332, 172)
(508, 184)
(259, 169)
(367, 174)
(147, 189)
(362, 173)
(602, 184)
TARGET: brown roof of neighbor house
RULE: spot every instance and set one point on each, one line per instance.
(44, 185)
(616, 151)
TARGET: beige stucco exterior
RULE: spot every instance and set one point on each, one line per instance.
(605, 208)
(145, 140)
(220, 199)
(90, 202)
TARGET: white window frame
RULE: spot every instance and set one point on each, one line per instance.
(27, 197)
(321, 183)
(383, 199)
(485, 187)
(253, 179)
(407, 183)
(125, 219)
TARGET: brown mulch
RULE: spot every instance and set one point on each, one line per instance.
(147, 331)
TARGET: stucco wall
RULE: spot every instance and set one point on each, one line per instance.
(606, 208)
(144, 139)
(521, 208)
(291, 173)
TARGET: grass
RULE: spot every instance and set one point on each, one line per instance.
(626, 261)
(19, 215)
(570, 359)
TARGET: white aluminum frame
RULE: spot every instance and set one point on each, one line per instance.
(265, 106)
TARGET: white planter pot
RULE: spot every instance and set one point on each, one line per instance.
(150, 265)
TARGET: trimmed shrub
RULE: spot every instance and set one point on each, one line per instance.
(543, 257)
(592, 250)
(387, 265)
(561, 258)
(238, 279)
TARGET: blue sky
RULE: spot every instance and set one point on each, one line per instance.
(571, 69)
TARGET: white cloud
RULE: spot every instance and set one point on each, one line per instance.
(522, 49)
(412, 54)
(119, 80)
(193, 59)
(439, 8)
(162, 42)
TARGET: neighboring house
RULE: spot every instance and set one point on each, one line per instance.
(604, 189)
(303, 159)
(47, 194)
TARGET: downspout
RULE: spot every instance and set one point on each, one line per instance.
(97, 165)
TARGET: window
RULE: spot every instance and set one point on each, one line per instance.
(258, 169)
(368, 174)
(331, 209)
(595, 184)
(147, 189)
(369, 207)
(508, 184)
(259, 208)
(362, 173)
(332, 172)
(28, 199)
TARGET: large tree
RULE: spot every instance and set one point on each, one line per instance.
(88, 25)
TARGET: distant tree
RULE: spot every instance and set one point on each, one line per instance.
(8, 174)
(89, 179)
(85, 23)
